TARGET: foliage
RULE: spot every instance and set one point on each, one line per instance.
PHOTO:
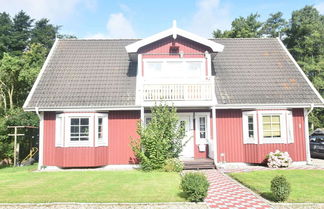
(248, 27)
(173, 165)
(195, 186)
(279, 159)
(24, 45)
(280, 188)
(44, 33)
(17, 117)
(160, 139)
(274, 26)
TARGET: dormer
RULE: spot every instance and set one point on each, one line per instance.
(174, 53)
(174, 66)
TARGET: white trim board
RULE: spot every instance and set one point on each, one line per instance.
(300, 70)
(174, 31)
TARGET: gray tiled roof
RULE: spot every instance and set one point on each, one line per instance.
(98, 73)
(87, 73)
(259, 71)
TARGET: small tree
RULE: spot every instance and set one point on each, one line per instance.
(160, 139)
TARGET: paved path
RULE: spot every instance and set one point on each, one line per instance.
(225, 193)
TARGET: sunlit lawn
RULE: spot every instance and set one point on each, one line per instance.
(23, 185)
(306, 185)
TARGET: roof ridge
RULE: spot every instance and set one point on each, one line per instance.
(100, 39)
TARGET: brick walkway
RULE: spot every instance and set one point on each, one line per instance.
(225, 193)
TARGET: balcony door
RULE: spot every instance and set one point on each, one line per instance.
(188, 140)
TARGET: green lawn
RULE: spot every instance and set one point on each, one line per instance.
(306, 185)
(23, 185)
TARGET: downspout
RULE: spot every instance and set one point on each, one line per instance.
(41, 138)
(306, 113)
(214, 135)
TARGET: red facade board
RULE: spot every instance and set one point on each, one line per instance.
(122, 126)
(230, 139)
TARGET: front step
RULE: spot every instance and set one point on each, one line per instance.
(197, 164)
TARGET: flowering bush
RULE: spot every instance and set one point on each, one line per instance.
(279, 159)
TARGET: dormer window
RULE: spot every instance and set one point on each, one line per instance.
(174, 68)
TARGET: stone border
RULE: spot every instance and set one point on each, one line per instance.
(102, 204)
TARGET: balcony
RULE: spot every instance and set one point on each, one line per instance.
(178, 92)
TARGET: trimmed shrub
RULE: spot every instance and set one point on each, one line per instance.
(280, 188)
(173, 165)
(195, 186)
(279, 159)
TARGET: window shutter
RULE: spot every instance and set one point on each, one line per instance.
(290, 127)
(59, 131)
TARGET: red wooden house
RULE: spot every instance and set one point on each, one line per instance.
(240, 98)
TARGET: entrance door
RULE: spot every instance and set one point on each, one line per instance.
(188, 140)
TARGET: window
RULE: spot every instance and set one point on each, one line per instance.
(275, 126)
(81, 130)
(147, 120)
(267, 126)
(100, 132)
(202, 128)
(171, 68)
(271, 126)
(249, 128)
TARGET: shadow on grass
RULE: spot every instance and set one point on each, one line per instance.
(182, 195)
(268, 196)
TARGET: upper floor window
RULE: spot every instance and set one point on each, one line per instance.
(170, 68)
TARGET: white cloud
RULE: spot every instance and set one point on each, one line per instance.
(55, 10)
(320, 7)
(118, 26)
(210, 15)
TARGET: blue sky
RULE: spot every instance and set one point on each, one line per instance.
(142, 18)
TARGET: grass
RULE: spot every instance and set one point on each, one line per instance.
(22, 185)
(306, 185)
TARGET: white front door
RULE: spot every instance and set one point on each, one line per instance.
(188, 140)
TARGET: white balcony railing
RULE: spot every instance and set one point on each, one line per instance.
(178, 92)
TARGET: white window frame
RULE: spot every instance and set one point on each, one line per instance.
(172, 76)
(59, 130)
(104, 141)
(283, 127)
(63, 128)
(197, 125)
(245, 122)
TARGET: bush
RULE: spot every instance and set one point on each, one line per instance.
(160, 139)
(280, 188)
(173, 165)
(278, 159)
(195, 186)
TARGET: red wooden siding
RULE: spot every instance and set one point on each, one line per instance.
(229, 135)
(122, 125)
(230, 139)
(161, 48)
